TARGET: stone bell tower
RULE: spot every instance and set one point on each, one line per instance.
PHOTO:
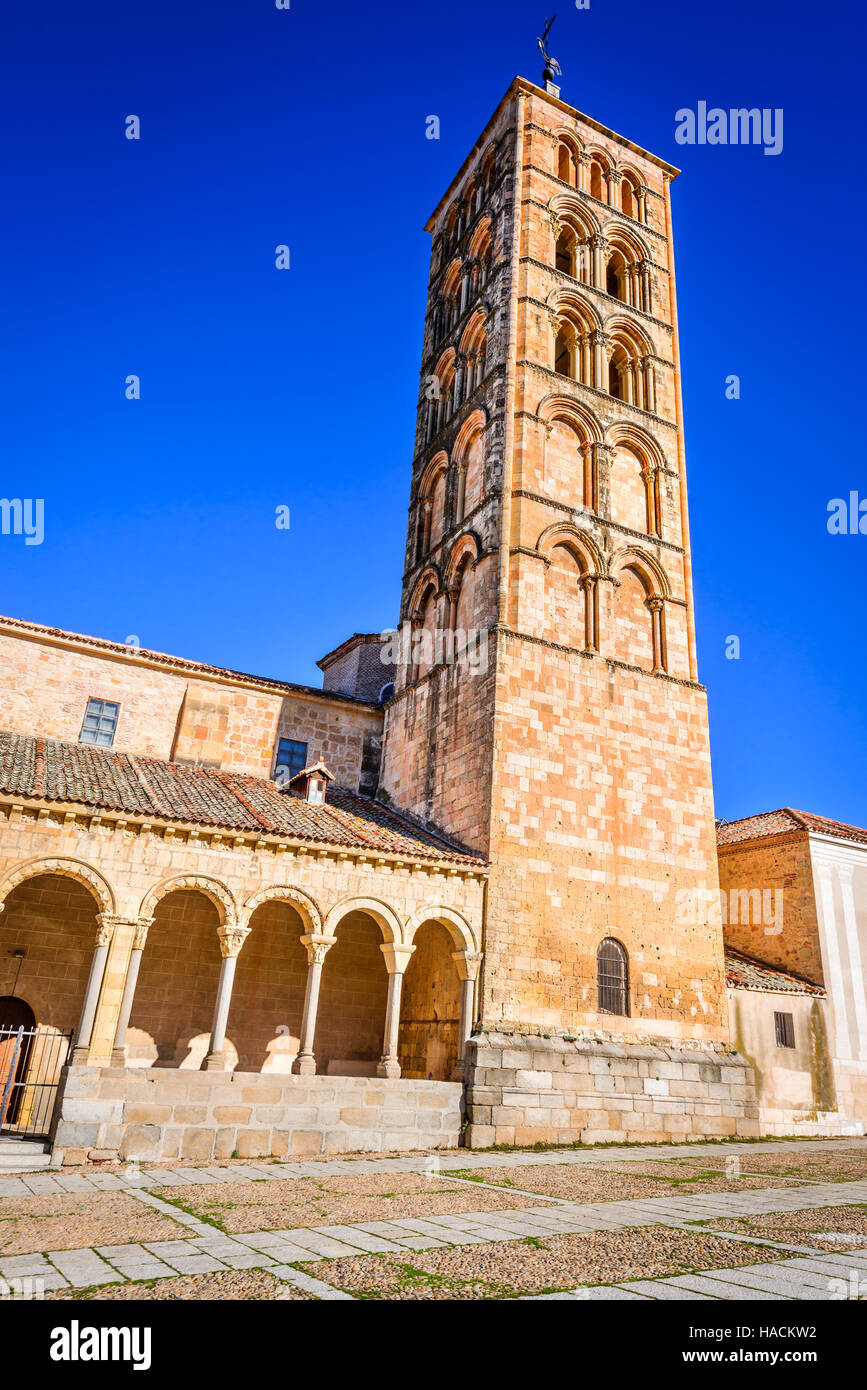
(547, 711)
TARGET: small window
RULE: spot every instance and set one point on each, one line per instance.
(784, 1025)
(612, 978)
(292, 756)
(100, 722)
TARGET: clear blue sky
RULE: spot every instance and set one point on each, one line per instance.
(261, 387)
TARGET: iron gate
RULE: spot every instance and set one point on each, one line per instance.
(31, 1060)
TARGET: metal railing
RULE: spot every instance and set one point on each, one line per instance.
(31, 1060)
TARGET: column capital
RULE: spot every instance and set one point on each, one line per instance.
(396, 956)
(106, 925)
(468, 963)
(654, 603)
(142, 926)
(231, 940)
(317, 946)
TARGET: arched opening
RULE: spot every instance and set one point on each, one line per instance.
(564, 258)
(564, 464)
(633, 625)
(615, 383)
(474, 454)
(563, 350)
(628, 490)
(598, 181)
(612, 978)
(567, 164)
(350, 1022)
(628, 200)
(616, 274)
(564, 598)
(47, 940)
(268, 992)
(430, 1007)
(15, 1052)
(173, 1008)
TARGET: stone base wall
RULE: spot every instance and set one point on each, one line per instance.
(524, 1089)
(158, 1114)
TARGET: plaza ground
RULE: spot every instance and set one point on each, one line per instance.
(775, 1220)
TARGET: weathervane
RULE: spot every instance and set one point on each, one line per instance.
(552, 67)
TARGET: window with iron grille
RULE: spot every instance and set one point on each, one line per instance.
(291, 757)
(100, 723)
(784, 1025)
(612, 977)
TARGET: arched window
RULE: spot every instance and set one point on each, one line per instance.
(567, 164)
(612, 978)
(564, 258)
(615, 382)
(563, 350)
(598, 181)
(628, 199)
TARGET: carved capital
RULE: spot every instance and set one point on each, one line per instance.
(468, 964)
(140, 935)
(317, 946)
(232, 939)
(396, 957)
(106, 925)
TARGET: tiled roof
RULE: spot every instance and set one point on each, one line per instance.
(39, 769)
(783, 822)
(179, 663)
(742, 972)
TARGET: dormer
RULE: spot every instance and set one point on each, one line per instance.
(310, 782)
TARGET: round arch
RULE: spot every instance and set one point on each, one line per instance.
(385, 917)
(457, 926)
(68, 868)
(304, 905)
(648, 568)
(218, 893)
(582, 545)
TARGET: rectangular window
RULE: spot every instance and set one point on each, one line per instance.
(785, 1028)
(291, 756)
(100, 723)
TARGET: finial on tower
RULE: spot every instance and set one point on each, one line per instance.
(552, 67)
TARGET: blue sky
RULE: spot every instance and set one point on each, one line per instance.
(262, 388)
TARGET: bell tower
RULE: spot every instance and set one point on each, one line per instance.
(547, 710)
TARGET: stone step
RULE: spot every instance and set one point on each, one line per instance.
(23, 1155)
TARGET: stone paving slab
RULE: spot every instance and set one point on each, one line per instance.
(82, 1268)
(659, 1289)
(703, 1283)
(310, 1285)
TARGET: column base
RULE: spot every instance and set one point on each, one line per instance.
(305, 1064)
(458, 1072)
(118, 1057)
(389, 1067)
(215, 1061)
(78, 1057)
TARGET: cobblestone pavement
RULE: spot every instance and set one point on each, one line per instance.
(783, 1268)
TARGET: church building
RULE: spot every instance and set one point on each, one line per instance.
(442, 896)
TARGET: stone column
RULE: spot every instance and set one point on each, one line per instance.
(317, 947)
(655, 605)
(231, 941)
(597, 277)
(641, 199)
(614, 188)
(467, 964)
(601, 361)
(583, 167)
(118, 1055)
(396, 961)
(106, 923)
(591, 640)
(651, 385)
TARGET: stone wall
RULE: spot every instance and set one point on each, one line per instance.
(155, 1115)
(524, 1089)
(172, 708)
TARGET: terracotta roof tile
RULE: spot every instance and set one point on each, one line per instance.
(743, 972)
(79, 774)
(783, 822)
